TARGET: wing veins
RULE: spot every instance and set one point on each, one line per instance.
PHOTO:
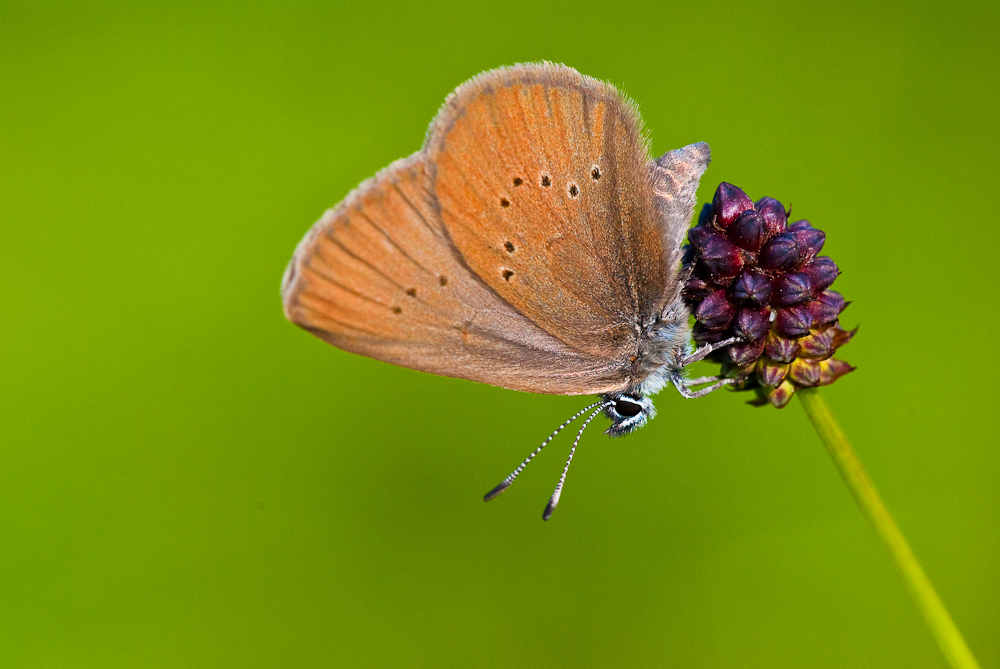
(338, 321)
(393, 242)
(345, 288)
(417, 211)
(342, 247)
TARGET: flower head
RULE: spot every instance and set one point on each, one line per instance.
(753, 275)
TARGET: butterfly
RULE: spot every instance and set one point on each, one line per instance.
(532, 243)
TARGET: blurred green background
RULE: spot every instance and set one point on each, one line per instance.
(188, 480)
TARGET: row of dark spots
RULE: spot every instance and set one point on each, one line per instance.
(507, 273)
(546, 181)
(412, 292)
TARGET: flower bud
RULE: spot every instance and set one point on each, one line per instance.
(771, 373)
(781, 349)
(822, 272)
(781, 253)
(752, 288)
(804, 372)
(793, 322)
(800, 225)
(746, 354)
(699, 234)
(792, 289)
(697, 288)
(748, 231)
(781, 395)
(720, 257)
(752, 324)
(826, 307)
(715, 312)
(773, 213)
(831, 370)
(728, 203)
(810, 241)
(818, 344)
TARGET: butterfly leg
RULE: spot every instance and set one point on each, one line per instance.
(701, 380)
(702, 353)
(685, 391)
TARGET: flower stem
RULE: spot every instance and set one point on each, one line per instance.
(942, 626)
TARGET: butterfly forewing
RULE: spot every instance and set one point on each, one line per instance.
(541, 178)
(378, 276)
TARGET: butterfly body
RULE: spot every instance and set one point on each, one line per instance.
(532, 244)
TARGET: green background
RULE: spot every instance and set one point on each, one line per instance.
(188, 480)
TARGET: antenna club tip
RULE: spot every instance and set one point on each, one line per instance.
(493, 494)
(551, 506)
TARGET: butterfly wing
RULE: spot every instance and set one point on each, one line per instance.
(525, 246)
(378, 276)
(542, 180)
(675, 184)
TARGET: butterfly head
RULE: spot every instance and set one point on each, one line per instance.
(627, 413)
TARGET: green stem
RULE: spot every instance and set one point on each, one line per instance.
(930, 605)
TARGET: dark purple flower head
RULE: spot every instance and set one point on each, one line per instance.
(755, 276)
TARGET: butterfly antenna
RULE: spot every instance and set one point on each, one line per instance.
(514, 474)
(551, 506)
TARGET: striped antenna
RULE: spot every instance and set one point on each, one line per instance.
(551, 506)
(510, 479)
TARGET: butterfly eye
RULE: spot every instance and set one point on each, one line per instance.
(627, 409)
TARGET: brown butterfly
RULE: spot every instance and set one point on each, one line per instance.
(532, 244)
